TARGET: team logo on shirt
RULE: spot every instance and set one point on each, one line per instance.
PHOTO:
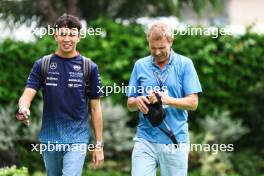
(53, 65)
(76, 67)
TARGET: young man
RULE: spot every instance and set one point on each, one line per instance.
(65, 114)
(175, 86)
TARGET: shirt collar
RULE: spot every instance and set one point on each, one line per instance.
(172, 53)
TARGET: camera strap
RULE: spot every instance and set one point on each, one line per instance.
(169, 133)
(161, 83)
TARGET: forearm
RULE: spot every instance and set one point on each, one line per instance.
(132, 104)
(26, 98)
(97, 122)
(24, 101)
(186, 103)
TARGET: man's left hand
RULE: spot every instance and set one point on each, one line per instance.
(97, 157)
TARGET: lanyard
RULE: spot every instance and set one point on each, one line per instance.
(159, 79)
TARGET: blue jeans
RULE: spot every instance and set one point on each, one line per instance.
(147, 157)
(65, 162)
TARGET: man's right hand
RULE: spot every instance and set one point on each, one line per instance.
(23, 114)
(141, 104)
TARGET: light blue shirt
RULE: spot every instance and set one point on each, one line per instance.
(180, 79)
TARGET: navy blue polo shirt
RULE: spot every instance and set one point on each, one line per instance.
(65, 113)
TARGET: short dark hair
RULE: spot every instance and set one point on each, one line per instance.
(68, 21)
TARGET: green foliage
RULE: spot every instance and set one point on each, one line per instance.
(111, 168)
(221, 128)
(230, 69)
(25, 11)
(9, 127)
(15, 138)
(248, 163)
(13, 171)
(218, 130)
(30, 159)
(23, 171)
(104, 173)
(198, 173)
(117, 51)
(117, 136)
(16, 60)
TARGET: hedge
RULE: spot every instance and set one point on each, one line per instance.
(230, 68)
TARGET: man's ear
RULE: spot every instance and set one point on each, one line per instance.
(79, 38)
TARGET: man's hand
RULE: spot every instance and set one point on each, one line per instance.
(97, 157)
(24, 104)
(23, 114)
(165, 98)
(152, 97)
(141, 104)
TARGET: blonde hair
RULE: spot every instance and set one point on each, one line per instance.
(159, 30)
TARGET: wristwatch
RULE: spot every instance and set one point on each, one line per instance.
(99, 144)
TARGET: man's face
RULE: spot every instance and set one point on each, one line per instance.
(67, 39)
(160, 49)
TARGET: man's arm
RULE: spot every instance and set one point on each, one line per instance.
(97, 122)
(27, 97)
(138, 103)
(189, 102)
(25, 102)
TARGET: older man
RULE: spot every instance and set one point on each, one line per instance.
(164, 145)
